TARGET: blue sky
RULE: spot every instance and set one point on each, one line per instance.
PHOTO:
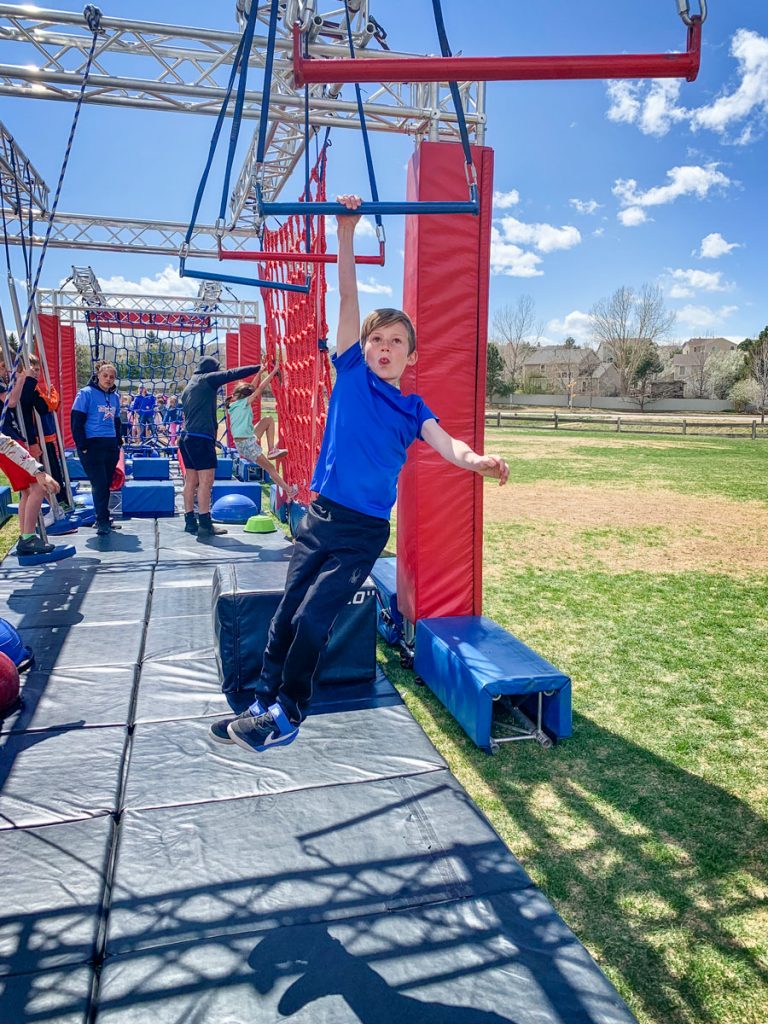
(597, 186)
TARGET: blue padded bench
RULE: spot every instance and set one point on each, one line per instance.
(223, 469)
(247, 471)
(469, 662)
(151, 469)
(390, 621)
(248, 490)
(148, 498)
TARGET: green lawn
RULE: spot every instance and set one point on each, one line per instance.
(649, 828)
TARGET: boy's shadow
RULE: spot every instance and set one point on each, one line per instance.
(326, 968)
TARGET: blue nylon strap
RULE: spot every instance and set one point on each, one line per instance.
(214, 142)
(446, 51)
(363, 125)
(237, 114)
(261, 144)
(393, 208)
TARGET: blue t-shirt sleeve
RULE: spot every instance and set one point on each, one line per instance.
(348, 360)
(424, 413)
(82, 401)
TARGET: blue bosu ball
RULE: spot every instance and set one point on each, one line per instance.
(233, 508)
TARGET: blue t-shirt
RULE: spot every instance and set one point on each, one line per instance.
(369, 429)
(144, 405)
(100, 409)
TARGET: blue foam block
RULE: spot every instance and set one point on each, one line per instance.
(223, 469)
(5, 500)
(248, 470)
(148, 498)
(467, 660)
(62, 526)
(384, 575)
(248, 490)
(151, 469)
(59, 552)
(296, 512)
(282, 511)
(75, 468)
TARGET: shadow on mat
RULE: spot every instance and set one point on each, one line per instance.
(326, 968)
(116, 542)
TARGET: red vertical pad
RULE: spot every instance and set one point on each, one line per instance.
(232, 354)
(49, 328)
(250, 353)
(68, 369)
(439, 509)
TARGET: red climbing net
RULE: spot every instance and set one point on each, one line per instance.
(296, 333)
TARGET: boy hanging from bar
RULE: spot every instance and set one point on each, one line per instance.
(370, 427)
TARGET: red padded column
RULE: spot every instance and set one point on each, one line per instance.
(250, 353)
(49, 328)
(439, 509)
(231, 354)
(68, 368)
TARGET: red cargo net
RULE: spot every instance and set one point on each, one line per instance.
(295, 324)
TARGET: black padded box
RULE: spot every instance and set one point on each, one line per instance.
(245, 597)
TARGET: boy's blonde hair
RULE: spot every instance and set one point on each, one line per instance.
(385, 317)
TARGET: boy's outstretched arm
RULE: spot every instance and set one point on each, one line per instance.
(461, 455)
(349, 308)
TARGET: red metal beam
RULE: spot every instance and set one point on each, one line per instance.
(310, 71)
(300, 257)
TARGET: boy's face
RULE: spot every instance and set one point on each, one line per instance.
(386, 352)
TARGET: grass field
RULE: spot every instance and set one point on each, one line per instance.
(640, 567)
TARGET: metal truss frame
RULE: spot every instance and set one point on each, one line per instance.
(186, 67)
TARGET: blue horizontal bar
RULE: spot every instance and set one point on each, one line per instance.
(200, 275)
(337, 209)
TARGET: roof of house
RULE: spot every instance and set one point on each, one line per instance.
(555, 354)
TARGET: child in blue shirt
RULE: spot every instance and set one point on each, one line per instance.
(369, 428)
(98, 434)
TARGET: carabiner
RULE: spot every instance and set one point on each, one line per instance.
(684, 10)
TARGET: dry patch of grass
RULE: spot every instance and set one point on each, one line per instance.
(554, 525)
(555, 446)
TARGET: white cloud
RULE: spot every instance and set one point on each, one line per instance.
(544, 237)
(703, 317)
(703, 280)
(365, 227)
(714, 246)
(598, 232)
(585, 206)
(503, 200)
(166, 282)
(373, 287)
(511, 260)
(576, 324)
(655, 107)
(685, 180)
(632, 216)
(679, 291)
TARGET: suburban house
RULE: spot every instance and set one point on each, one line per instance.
(706, 346)
(559, 368)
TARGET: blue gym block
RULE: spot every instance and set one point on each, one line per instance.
(75, 468)
(282, 511)
(151, 469)
(248, 490)
(223, 469)
(148, 498)
(296, 512)
(5, 500)
(248, 470)
(390, 621)
(467, 660)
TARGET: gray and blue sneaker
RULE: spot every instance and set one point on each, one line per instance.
(218, 731)
(272, 729)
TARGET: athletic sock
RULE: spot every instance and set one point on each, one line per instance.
(27, 536)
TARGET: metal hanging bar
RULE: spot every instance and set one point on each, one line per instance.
(315, 71)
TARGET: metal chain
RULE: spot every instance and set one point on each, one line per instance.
(684, 10)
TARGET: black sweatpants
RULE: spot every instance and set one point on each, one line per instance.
(334, 551)
(99, 459)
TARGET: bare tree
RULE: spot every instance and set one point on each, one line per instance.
(698, 375)
(626, 323)
(517, 333)
(758, 368)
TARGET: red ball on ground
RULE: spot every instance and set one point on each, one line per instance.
(9, 683)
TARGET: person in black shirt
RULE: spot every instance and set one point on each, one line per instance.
(197, 443)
